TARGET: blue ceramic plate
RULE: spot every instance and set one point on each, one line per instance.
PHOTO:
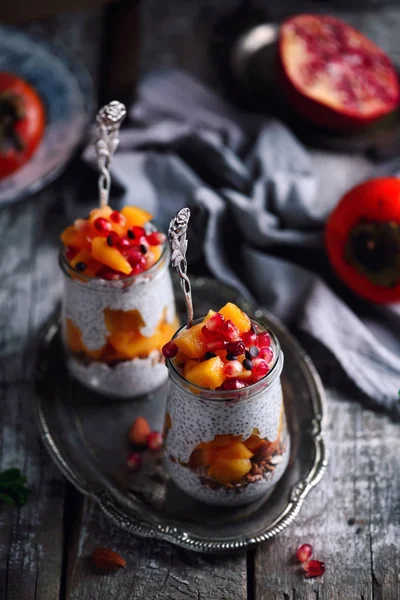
(66, 90)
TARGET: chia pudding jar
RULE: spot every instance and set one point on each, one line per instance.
(227, 447)
(113, 331)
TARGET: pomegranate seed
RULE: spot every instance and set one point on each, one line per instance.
(236, 348)
(249, 338)
(170, 349)
(209, 335)
(215, 322)
(216, 345)
(123, 244)
(117, 218)
(134, 461)
(266, 354)
(229, 331)
(71, 252)
(102, 226)
(113, 238)
(139, 232)
(155, 440)
(260, 367)
(138, 268)
(304, 552)
(232, 384)
(314, 568)
(132, 254)
(263, 340)
(108, 274)
(155, 238)
(233, 368)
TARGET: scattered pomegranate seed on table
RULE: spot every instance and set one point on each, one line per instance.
(304, 552)
(154, 440)
(314, 568)
(134, 461)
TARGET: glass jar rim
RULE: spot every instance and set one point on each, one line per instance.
(66, 267)
(222, 395)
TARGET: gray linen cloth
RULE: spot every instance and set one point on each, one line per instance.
(260, 201)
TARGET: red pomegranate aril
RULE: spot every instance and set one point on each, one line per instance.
(266, 354)
(123, 244)
(208, 334)
(314, 568)
(216, 345)
(236, 348)
(139, 267)
(260, 367)
(71, 252)
(215, 322)
(154, 441)
(170, 349)
(139, 232)
(229, 331)
(249, 338)
(117, 218)
(232, 384)
(134, 461)
(108, 274)
(263, 340)
(304, 552)
(102, 226)
(155, 238)
(132, 255)
(113, 237)
(233, 368)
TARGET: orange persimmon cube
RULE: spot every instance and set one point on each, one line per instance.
(237, 316)
(189, 364)
(235, 451)
(123, 320)
(229, 471)
(253, 442)
(209, 455)
(71, 236)
(208, 374)
(191, 342)
(135, 216)
(109, 256)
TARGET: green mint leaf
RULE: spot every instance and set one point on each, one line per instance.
(6, 499)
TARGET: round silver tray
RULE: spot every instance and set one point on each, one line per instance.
(86, 436)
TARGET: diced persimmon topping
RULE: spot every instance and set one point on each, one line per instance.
(224, 352)
(118, 244)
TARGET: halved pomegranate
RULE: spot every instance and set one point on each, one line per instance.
(332, 74)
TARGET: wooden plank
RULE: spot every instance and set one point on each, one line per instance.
(351, 518)
(31, 538)
(154, 570)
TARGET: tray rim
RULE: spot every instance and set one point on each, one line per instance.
(178, 536)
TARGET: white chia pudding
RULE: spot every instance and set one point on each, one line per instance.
(196, 418)
(84, 303)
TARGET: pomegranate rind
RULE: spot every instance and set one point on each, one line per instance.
(353, 82)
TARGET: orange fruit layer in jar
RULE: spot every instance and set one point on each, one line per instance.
(114, 245)
(226, 351)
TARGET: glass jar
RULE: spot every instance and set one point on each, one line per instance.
(113, 331)
(227, 447)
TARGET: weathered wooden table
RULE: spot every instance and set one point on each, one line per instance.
(352, 518)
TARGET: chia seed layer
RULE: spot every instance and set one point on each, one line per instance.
(126, 379)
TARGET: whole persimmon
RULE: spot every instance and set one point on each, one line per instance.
(363, 239)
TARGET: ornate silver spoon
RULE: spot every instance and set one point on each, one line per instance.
(108, 121)
(177, 236)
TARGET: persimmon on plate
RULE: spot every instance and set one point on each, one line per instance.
(363, 239)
